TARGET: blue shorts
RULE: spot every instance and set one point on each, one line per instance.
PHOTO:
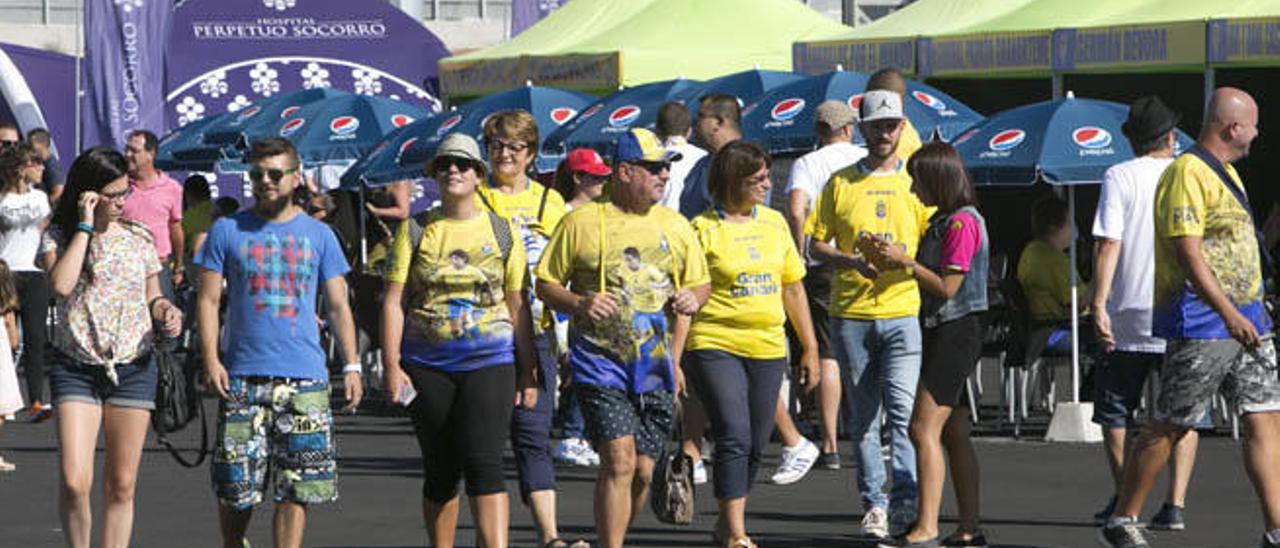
(1117, 382)
(72, 381)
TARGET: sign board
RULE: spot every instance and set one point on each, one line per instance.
(1244, 41)
(1004, 52)
(585, 72)
(1129, 46)
(854, 55)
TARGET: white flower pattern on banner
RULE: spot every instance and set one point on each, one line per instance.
(189, 110)
(314, 76)
(265, 79)
(238, 103)
(548, 5)
(366, 82)
(280, 5)
(128, 5)
(418, 191)
(215, 85)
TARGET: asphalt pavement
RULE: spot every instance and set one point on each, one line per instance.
(1035, 494)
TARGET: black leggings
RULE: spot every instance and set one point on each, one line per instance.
(462, 422)
(33, 313)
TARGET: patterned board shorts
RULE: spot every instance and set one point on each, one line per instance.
(277, 430)
(1194, 369)
(612, 413)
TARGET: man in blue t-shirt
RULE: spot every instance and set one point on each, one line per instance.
(274, 422)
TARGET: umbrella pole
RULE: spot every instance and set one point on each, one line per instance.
(364, 241)
(1075, 302)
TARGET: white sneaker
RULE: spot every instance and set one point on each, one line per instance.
(589, 455)
(875, 523)
(699, 473)
(796, 462)
(571, 451)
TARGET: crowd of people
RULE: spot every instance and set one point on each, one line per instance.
(651, 292)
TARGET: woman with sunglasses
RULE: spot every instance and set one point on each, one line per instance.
(24, 214)
(454, 316)
(951, 267)
(737, 346)
(512, 139)
(107, 290)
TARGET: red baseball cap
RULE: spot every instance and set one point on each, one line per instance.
(585, 160)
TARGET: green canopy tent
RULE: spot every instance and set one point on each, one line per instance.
(598, 45)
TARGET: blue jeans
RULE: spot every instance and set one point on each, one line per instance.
(531, 428)
(880, 366)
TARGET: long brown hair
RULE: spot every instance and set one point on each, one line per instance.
(939, 178)
(8, 292)
(733, 164)
(13, 159)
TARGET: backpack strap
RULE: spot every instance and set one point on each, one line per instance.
(502, 233)
(542, 206)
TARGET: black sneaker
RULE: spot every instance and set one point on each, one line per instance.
(1124, 535)
(1169, 518)
(829, 461)
(1101, 518)
(900, 541)
(1266, 543)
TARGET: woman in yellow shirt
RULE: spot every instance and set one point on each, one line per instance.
(736, 344)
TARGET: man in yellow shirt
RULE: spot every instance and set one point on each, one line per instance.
(891, 79)
(625, 380)
(1208, 306)
(874, 329)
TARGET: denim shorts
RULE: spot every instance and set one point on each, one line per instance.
(71, 381)
(1118, 382)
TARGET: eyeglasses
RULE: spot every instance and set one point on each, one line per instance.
(654, 168)
(276, 175)
(117, 196)
(442, 165)
(514, 146)
(7, 143)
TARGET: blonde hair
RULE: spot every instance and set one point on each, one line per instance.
(8, 292)
(513, 124)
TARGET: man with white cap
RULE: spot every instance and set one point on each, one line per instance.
(834, 126)
(874, 329)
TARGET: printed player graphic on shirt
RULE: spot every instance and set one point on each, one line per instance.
(468, 292)
(645, 290)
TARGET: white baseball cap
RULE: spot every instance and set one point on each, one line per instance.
(881, 105)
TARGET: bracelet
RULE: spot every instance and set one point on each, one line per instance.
(84, 227)
(356, 367)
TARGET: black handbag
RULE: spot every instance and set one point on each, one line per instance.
(178, 401)
(672, 495)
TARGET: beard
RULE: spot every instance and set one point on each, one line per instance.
(272, 208)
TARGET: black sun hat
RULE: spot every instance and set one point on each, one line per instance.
(1149, 118)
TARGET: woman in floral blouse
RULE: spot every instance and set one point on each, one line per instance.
(106, 289)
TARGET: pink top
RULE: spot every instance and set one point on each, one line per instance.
(156, 207)
(961, 242)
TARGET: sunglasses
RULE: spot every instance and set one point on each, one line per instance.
(276, 175)
(654, 168)
(7, 143)
(442, 165)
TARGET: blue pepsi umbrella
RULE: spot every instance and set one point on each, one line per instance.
(599, 126)
(782, 119)
(1067, 141)
(338, 129)
(747, 86)
(190, 136)
(221, 137)
(381, 166)
(551, 109)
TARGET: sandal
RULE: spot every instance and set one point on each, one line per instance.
(556, 543)
(741, 542)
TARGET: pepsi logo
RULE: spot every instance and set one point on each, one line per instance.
(624, 116)
(560, 115)
(289, 111)
(292, 126)
(1007, 140)
(344, 125)
(448, 124)
(401, 120)
(929, 100)
(855, 102)
(1091, 137)
(405, 146)
(787, 109)
(248, 113)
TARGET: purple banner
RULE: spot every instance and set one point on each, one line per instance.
(124, 68)
(526, 13)
(48, 82)
(226, 54)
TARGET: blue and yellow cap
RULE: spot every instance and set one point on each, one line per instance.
(641, 145)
